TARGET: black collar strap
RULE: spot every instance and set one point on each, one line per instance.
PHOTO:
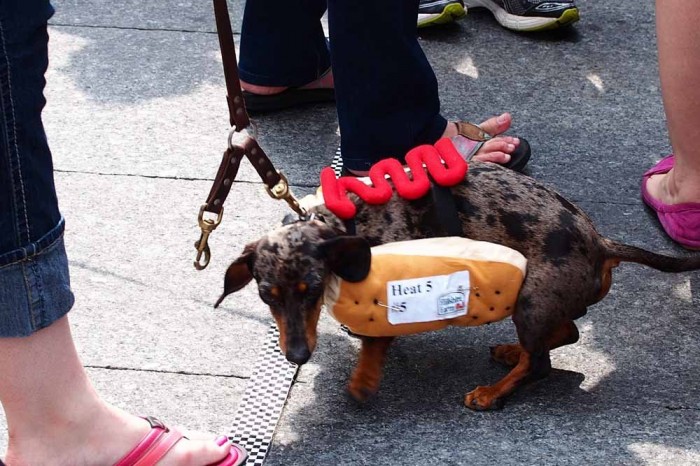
(445, 209)
(350, 227)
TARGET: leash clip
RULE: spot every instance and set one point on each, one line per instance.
(281, 191)
(202, 246)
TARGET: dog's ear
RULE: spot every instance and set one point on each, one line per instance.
(239, 273)
(349, 257)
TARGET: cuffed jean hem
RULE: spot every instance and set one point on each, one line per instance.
(35, 291)
(359, 160)
(32, 249)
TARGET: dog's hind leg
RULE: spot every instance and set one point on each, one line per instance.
(365, 379)
(529, 366)
(509, 354)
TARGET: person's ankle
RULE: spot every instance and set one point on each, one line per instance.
(262, 90)
(676, 187)
(90, 434)
(325, 81)
(359, 173)
(450, 130)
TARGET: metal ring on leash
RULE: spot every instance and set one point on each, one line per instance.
(234, 129)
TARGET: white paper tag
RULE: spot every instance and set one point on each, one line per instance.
(428, 299)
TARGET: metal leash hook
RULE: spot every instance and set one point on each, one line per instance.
(209, 225)
(240, 120)
(223, 182)
(281, 191)
(202, 244)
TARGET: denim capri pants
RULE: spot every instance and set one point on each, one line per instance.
(34, 283)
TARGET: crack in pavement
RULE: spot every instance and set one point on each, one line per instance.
(177, 178)
(293, 185)
(135, 28)
(163, 371)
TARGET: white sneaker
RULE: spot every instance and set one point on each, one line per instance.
(529, 15)
(434, 12)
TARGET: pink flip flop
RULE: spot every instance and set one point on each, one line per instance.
(160, 439)
(680, 221)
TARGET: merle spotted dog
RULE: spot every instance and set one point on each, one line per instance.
(569, 269)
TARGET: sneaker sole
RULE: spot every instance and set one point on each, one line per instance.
(451, 13)
(526, 23)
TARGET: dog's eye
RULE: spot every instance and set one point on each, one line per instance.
(270, 294)
(312, 290)
(302, 287)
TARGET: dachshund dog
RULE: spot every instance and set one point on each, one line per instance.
(569, 268)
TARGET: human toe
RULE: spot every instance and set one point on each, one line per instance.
(498, 157)
(506, 145)
(196, 453)
(498, 124)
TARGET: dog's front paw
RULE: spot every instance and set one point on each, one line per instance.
(362, 387)
(483, 399)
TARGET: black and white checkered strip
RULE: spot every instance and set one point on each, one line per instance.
(337, 163)
(263, 401)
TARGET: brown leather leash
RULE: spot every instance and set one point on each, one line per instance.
(212, 211)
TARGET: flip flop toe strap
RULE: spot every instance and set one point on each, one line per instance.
(153, 446)
(160, 448)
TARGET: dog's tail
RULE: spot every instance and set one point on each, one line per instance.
(627, 253)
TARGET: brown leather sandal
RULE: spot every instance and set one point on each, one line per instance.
(470, 138)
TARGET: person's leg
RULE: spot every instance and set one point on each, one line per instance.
(53, 414)
(283, 45)
(679, 68)
(386, 90)
(55, 417)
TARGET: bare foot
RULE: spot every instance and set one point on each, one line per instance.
(103, 439)
(496, 150)
(323, 82)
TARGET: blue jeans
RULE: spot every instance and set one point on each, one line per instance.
(386, 91)
(34, 283)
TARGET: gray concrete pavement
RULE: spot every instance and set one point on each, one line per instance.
(137, 122)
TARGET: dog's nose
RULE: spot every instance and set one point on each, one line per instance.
(298, 355)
